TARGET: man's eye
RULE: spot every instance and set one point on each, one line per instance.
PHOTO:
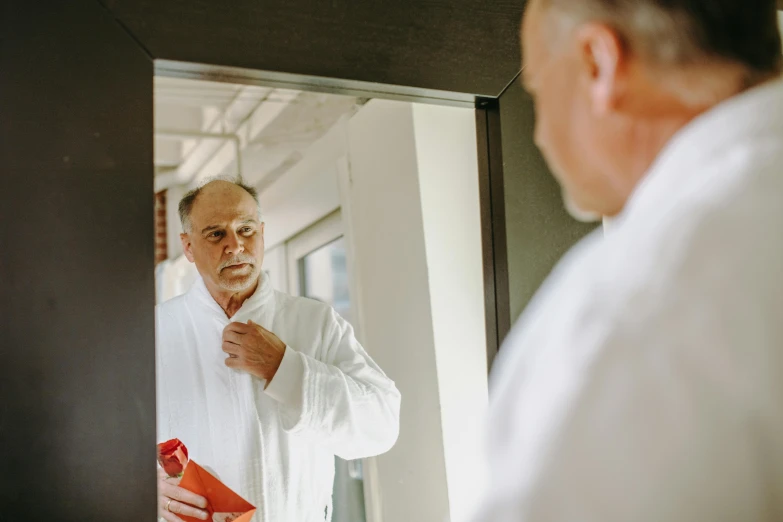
(246, 230)
(215, 234)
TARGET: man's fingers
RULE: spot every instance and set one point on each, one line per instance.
(254, 324)
(240, 328)
(257, 326)
(232, 337)
(163, 501)
(178, 508)
(231, 348)
(234, 362)
(183, 495)
(170, 517)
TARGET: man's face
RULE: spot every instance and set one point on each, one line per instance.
(574, 134)
(226, 240)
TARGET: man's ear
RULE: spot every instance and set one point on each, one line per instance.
(601, 55)
(187, 247)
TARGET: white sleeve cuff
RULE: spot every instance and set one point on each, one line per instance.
(286, 386)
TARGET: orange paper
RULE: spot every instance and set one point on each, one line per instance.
(220, 499)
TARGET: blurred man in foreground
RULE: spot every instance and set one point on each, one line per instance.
(644, 382)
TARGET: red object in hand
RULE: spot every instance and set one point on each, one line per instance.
(173, 457)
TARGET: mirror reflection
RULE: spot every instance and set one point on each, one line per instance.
(319, 347)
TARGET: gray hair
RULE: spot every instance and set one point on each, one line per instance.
(187, 201)
(689, 32)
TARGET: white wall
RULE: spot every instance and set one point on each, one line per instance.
(411, 212)
(307, 192)
(448, 179)
(275, 263)
(384, 223)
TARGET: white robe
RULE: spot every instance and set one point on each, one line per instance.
(645, 381)
(275, 447)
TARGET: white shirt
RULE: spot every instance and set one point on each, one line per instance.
(275, 446)
(645, 381)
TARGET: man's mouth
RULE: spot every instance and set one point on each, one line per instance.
(237, 266)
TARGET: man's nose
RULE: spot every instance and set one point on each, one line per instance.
(234, 244)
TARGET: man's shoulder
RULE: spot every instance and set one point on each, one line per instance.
(708, 256)
(306, 310)
(708, 232)
(307, 305)
(170, 308)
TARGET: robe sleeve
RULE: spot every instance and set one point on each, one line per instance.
(344, 402)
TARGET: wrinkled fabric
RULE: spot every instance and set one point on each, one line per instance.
(273, 446)
(645, 380)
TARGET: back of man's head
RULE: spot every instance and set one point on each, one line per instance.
(613, 81)
(686, 32)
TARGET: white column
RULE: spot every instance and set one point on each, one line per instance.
(448, 177)
(381, 206)
(411, 211)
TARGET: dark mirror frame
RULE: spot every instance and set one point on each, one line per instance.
(77, 423)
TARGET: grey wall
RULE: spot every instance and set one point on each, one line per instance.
(538, 229)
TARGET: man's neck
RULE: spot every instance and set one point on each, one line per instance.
(666, 107)
(646, 142)
(229, 301)
(650, 141)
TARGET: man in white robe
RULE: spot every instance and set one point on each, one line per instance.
(263, 388)
(645, 380)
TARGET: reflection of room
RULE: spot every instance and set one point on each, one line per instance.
(372, 207)
(206, 129)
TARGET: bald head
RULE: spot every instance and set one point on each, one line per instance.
(216, 192)
(685, 32)
(223, 236)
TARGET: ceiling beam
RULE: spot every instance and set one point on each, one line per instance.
(252, 126)
(205, 148)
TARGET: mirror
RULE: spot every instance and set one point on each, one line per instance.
(343, 282)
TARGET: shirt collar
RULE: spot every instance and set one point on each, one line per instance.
(260, 297)
(732, 123)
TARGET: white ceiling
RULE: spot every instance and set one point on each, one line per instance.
(272, 127)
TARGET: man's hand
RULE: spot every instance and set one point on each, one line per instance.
(173, 500)
(253, 349)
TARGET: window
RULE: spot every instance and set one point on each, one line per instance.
(318, 269)
(323, 275)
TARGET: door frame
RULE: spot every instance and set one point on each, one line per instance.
(92, 93)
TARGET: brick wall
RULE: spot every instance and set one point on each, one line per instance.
(161, 232)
